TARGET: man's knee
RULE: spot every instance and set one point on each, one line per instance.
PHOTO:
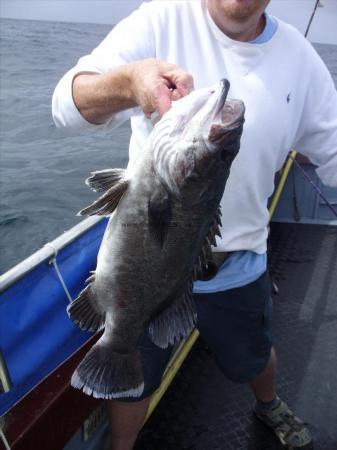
(245, 368)
(151, 384)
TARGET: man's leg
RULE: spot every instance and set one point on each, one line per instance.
(236, 325)
(264, 385)
(126, 420)
(127, 414)
(274, 412)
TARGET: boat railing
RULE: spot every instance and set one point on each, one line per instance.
(47, 252)
(5, 379)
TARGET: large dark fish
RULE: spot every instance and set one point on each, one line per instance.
(165, 218)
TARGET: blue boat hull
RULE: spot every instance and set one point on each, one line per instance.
(36, 335)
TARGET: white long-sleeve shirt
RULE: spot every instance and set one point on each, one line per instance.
(288, 92)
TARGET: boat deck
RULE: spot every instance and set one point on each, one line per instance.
(202, 410)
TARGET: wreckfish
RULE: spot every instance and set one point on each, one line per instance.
(164, 219)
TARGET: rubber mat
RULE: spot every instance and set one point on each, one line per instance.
(204, 411)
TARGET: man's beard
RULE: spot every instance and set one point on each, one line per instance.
(239, 11)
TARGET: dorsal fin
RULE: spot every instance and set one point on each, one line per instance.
(217, 216)
(205, 268)
(113, 183)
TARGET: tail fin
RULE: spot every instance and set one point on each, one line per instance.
(105, 373)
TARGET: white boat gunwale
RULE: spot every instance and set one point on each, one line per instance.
(48, 251)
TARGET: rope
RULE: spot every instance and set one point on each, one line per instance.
(4, 440)
(53, 261)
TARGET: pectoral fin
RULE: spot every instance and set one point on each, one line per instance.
(114, 185)
(159, 212)
(103, 180)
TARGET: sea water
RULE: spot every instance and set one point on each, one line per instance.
(43, 168)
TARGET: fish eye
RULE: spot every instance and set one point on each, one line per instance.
(226, 156)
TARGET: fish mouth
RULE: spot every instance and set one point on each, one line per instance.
(225, 85)
(228, 116)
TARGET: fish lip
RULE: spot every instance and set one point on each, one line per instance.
(227, 116)
(225, 86)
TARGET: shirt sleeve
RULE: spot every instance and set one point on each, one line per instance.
(317, 136)
(132, 39)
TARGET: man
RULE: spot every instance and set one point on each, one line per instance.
(156, 56)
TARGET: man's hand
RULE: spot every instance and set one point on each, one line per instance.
(150, 83)
(155, 84)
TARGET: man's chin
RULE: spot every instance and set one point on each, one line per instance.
(238, 10)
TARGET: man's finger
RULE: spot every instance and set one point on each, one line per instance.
(162, 99)
(182, 81)
(177, 95)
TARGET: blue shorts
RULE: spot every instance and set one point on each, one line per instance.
(236, 326)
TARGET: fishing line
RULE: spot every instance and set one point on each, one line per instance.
(297, 215)
(314, 185)
(311, 18)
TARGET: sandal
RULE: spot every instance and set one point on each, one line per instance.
(289, 429)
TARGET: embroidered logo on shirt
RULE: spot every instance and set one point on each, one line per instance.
(288, 97)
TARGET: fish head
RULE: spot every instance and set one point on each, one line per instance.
(196, 141)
